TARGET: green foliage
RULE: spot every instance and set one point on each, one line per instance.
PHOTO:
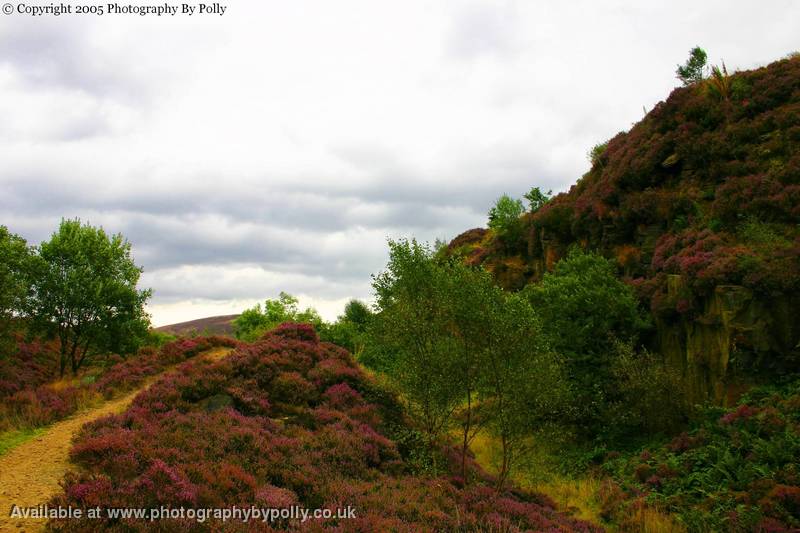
(693, 70)
(585, 307)
(504, 218)
(740, 88)
(254, 322)
(517, 355)
(412, 313)
(463, 352)
(586, 310)
(719, 84)
(596, 154)
(157, 339)
(15, 263)
(753, 231)
(648, 397)
(737, 470)
(350, 329)
(357, 313)
(536, 198)
(84, 293)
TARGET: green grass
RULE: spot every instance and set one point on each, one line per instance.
(11, 439)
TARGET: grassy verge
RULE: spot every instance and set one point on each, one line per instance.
(581, 496)
(11, 439)
(577, 496)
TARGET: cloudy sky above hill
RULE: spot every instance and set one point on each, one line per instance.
(276, 147)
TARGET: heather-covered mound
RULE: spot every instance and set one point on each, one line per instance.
(285, 421)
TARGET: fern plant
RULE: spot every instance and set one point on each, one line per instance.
(719, 84)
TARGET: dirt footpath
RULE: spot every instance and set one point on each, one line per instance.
(30, 473)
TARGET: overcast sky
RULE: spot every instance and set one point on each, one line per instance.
(278, 146)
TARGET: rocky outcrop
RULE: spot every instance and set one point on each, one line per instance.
(738, 335)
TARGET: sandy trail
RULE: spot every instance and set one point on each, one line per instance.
(30, 473)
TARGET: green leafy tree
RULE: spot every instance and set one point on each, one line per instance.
(693, 70)
(504, 218)
(412, 314)
(585, 307)
(524, 390)
(254, 322)
(358, 313)
(453, 299)
(15, 263)
(586, 310)
(463, 351)
(471, 296)
(650, 396)
(350, 329)
(536, 198)
(85, 293)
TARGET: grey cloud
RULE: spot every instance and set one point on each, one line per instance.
(283, 230)
(385, 204)
(82, 128)
(175, 285)
(54, 53)
(474, 181)
(483, 29)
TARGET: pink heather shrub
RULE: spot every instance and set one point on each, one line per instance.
(366, 413)
(39, 406)
(276, 497)
(341, 396)
(162, 484)
(285, 421)
(294, 331)
(293, 389)
(743, 412)
(247, 399)
(334, 370)
(90, 492)
(31, 364)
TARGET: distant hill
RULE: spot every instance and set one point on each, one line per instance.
(214, 325)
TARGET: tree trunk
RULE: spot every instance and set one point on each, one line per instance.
(432, 448)
(465, 446)
(503, 475)
(62, 363)
(82, 358)
(73, 360)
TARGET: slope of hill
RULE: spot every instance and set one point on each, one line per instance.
(213, 325)
(285, 422)
(699, 203)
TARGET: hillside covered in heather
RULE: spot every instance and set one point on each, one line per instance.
(285, 421)
(698, 206)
